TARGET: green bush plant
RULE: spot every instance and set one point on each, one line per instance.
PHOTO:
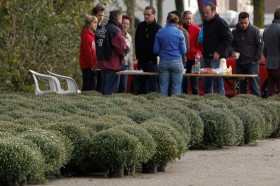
(275, 97)
(197, 126)
(243, 99)
(54, 148)
(265, 125)
(115, 149)
(276, 105)
(152, 96)
(252, 125)
(197, 105)
(179, 117)
(148, 145)
(193, 119)
(215, 103)
(219, 128)
(14, 128)
(140, 113)
(270, 115)
(181, 142)
(108, 121)
(19, 163)
(166, 149)
(174, 124)
(79, 135)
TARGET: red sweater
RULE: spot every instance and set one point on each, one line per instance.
(193, 31)
(87, 50)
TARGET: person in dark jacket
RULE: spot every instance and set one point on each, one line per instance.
(247, 40)
(271, 38)
(144, 43)
(99, 12)
(217, 38)
(88, 53)
(110, 49)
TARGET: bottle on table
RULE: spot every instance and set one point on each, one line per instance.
(197, 62)
(229, 70)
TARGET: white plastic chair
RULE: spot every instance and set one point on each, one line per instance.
(51, 80)
(71, 84)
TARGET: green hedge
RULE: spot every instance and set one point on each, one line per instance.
(19, 163)
(79, 135)
(252, 125)
(167, 147)
(114, 149)
(219, 128)
(148, 144)
(270, 115)
(55, 151)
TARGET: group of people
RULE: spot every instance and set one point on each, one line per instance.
(110, 49)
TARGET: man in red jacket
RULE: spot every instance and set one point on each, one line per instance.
(110, 49)
(88, 53)
(193, 31)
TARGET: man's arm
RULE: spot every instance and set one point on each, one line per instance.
(226, 38)
(259, 45)
(118, 42)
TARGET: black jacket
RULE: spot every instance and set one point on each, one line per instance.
(248, 43)
(217, 37)
(271, 37)
(110, 46)
(144, 41)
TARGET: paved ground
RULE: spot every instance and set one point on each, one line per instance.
(249, 166)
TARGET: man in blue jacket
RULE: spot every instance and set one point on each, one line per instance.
(217, 38)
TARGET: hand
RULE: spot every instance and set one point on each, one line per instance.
(131, 67)
(216, 56)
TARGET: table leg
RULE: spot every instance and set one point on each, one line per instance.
(235, 85)
(235, 80)
(135, 85)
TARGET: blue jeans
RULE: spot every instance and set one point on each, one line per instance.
(254, 82)
(122, 81)
(170, 71)
(109, 81)
(210, 84)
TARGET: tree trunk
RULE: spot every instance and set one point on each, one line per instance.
(148, 168)
(160, 14)
(4, 6)
(161, 168)
(151, 2)
(258, 13)
(180, 5)
(117, 172)
(131, 13)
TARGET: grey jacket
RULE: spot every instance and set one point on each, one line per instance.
(248, 43)
(271, 51)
